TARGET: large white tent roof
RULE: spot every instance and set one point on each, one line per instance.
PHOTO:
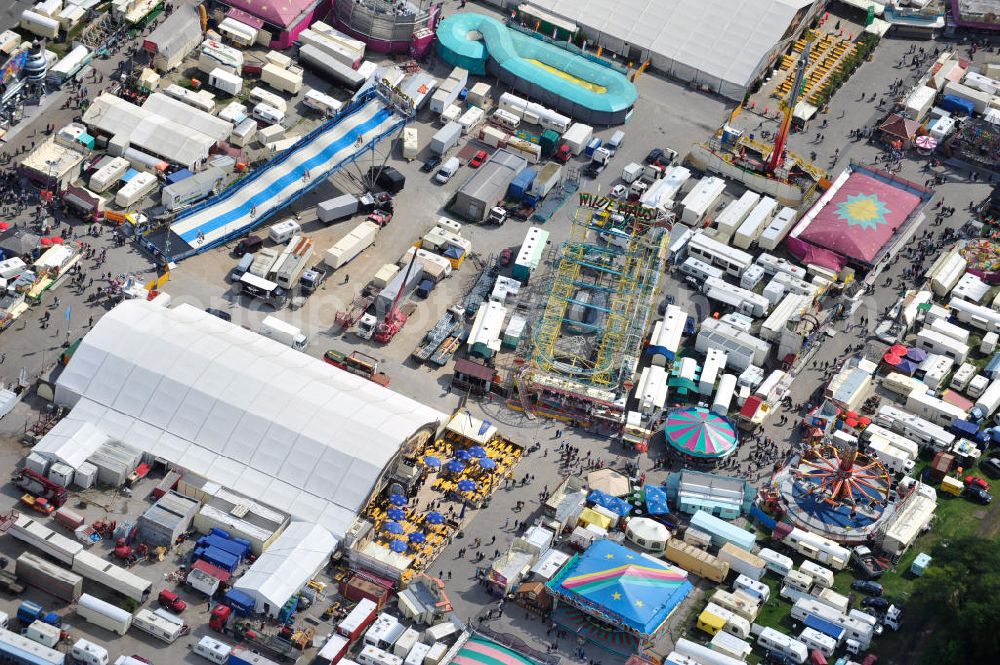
(71, 442)
(285, 567)
(242, 410)
(722, 38)
(149, 131)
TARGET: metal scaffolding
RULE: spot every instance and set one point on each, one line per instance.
(598, 299)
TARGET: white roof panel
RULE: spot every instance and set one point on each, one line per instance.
(722, 38)
(240, 409)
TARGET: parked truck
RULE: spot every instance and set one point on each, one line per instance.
(577, 137)
(40, 486)
(311, 279)
(284, 332)
(103, 614)
(347, 248)
(336, 208)
(358, 363)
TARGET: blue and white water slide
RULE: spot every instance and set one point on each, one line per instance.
(288, 176)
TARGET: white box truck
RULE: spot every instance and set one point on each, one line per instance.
(577, 137)
(284, 332)
(336, 208)
(446, 138)
(103, 614)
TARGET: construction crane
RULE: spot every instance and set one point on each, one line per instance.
(395, 318)
(777, 155)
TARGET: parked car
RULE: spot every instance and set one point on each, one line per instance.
(977, 482)
(655, 155)
(875, 603)
(248, 245)
(478, 159)
(991, 467)
(619, 191)
(225, 316)
(430, 164)
(978, 494)
(506, 256)
(867, 587)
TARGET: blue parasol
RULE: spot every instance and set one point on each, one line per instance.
(455, 466)
(432, 462)
(398, 500)
(398, 546)
(393, 527)
(434, 517)
(463, 455)
(397, 514)
(466, 485)
(477, 451)
(487, 463)
(417, 537)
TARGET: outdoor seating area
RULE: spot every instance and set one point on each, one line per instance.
(464, 465)
(827, 55)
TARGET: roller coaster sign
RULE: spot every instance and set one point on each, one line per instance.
(626, 208)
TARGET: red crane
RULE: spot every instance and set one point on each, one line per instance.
(395, 318)
(777, 155)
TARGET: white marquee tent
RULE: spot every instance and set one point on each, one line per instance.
(239, 409)
(719, 43)
(70, 442)
(292, 560)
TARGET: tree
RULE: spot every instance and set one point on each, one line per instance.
(956, 604)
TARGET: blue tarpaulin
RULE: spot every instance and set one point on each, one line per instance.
(656, 500)
(612, 503)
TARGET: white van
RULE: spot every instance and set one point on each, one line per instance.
(213, 650)
(283, 231)
(447, 170)
(268, 114)
(88, 653)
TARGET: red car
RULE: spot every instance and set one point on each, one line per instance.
(978, 482)
(478, 160)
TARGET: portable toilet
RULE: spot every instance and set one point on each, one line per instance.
(920, 564)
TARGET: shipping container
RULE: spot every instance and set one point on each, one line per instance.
(546, 180)
(286, 80)
(225, 81)
(358, 619)
(43, 633)
(330, 67)
(336, 208)
(521, 184)
(696, 561)
(347, 248)
(446, 138)
(114, 577)
(68, 518)
(777, 229)
(135, 189)
(48, 577)
(742, 562)
(103, 614)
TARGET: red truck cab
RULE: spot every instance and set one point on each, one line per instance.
(562, 154)
(171, 601)
(219, 618)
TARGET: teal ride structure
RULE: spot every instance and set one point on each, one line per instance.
(577, 86)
